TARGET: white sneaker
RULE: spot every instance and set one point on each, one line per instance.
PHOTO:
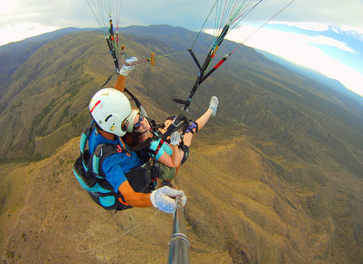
(213, 105)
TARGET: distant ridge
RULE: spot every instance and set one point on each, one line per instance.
(18, 46)
(314, 75)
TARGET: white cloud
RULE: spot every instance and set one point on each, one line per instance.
(302, 49)
(7, 6)
(304, 25)
(23, 31)
(274, 39)
(350, 79)
(356, 33)
(322, 40)
(352, 29)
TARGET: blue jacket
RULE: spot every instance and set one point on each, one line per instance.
(116, 165)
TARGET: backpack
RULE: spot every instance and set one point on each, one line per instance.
(88, 172)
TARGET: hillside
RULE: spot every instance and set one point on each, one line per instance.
(14, 54)
(275, 177)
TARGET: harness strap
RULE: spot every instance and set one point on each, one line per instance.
(84, 142)
(103, 151)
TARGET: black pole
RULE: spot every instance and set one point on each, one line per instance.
(178, 244)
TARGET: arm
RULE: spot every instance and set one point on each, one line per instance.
(120, 83)
(121, 80)
(134, 198)
(171, 161)
(162, 198)
(112, 167)
(175, 156)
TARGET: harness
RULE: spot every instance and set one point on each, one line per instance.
(186, 128)
(88, 170)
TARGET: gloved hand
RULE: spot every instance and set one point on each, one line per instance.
(143, 112)
(163, 199)
(126, 69)
(175, 138)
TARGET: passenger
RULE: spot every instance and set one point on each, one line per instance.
(170, 157)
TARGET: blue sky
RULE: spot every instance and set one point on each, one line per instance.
(325, 35)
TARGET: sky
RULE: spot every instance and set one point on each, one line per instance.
(324, 35)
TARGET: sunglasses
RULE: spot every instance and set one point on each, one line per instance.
(138, 124)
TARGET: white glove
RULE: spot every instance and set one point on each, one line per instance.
(126, 69)
(163, 199)
(143, 112)
(175, 138)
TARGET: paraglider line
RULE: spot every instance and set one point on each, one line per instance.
(128, 231)
(109, 242)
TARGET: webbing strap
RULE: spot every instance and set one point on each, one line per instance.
(83, 142)
(96, 159)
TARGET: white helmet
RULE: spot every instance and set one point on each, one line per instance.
(109, 108)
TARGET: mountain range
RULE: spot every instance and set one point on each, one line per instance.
(314, 75)
(275, 177)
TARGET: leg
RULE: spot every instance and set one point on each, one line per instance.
(201, 121)
(165, 177)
